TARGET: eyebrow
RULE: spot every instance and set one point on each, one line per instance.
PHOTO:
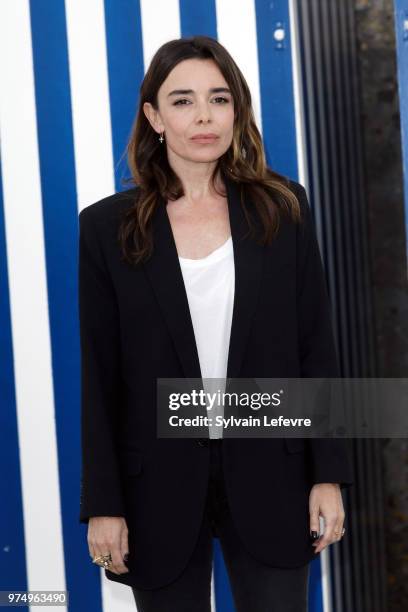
(177, 92)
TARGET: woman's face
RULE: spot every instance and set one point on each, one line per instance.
(204, 106)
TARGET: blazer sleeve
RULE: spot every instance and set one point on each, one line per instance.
(331, 461)
(101, 493)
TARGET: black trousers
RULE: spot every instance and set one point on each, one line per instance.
(255, 587)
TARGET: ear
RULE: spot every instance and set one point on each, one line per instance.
(153, 117)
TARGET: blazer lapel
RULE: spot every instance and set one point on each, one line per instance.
(248, 260)
(164, 272)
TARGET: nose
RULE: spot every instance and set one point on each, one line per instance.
(203, 112)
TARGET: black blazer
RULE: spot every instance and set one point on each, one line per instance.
(135, 326)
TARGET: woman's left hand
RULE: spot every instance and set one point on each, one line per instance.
(325, 499)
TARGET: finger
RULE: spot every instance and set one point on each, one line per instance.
(339, 528)
(124, 547)
(117, 560)
(328, 536)
(95, 549)
(105, 547)
(314, 524)
(100, 550)
(98, 544)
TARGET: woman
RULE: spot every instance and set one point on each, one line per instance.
(208, 268)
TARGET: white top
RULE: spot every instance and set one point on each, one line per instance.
(210, 286)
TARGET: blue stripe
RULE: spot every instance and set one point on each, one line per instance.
(56, 151)
(126, 72)
(222, 586)
(401, 16)
(198, 17)
(12, 555)
(279, 135)
(276, 85)
(315, 586)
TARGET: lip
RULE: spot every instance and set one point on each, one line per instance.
(205, 137)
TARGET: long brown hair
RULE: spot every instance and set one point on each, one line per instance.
(244, 162)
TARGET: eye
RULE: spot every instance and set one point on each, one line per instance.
(178, 102)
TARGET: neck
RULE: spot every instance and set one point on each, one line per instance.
(196, 179)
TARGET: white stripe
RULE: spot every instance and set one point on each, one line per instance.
(326, 581)
(297, 93)
(88, 72)
(232, 20)
(213, 601)
(160, 23)
(29, 302)
(94, 165)
(116, 597)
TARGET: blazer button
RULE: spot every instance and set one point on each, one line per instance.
(202, 442)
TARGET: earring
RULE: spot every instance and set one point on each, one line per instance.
(161, 137)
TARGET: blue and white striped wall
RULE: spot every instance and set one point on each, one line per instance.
(69, 79)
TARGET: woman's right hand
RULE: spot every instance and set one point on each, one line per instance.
(109, 534)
